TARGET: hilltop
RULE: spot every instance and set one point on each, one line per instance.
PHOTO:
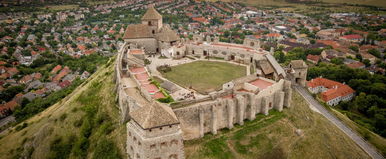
(85, 124)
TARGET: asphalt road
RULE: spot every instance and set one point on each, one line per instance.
(7, 120)
(368, 148)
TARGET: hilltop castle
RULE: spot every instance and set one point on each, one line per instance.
(157, 130)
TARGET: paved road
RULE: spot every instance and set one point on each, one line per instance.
(7, 120)
(368, 148)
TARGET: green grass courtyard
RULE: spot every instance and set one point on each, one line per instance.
(205, 76)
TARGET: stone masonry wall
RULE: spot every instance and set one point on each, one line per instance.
(201, 118)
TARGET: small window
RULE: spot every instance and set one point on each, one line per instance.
(160, 128)
(152, 146)
(139, 143)
(149, 23)
(153, 32)
(163, 144)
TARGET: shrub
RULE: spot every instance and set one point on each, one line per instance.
(63, 117)
(81, 146)
(164, 68)
(77, 123)
(147, 62)
(61, 149)
(106, 149)
(21, 127)
(168, 99)
(107, 128)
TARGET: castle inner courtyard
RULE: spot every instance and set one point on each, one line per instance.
(204, 76)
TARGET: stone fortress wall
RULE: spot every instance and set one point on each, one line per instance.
(218, 112)
(215, 111)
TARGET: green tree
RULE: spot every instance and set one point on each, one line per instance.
(366, 62)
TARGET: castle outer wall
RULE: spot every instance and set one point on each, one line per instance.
(209, 117)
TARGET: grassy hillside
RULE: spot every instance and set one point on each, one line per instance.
(83, 125)
(274, 136)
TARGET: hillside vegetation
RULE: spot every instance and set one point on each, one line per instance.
(274, 136)
(83, 125)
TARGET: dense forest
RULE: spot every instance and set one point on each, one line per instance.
(368, 108)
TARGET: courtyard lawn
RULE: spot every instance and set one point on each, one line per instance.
(205, 76)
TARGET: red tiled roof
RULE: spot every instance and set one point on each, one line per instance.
(335, 89)
(41, 91)
(356, 65)
(61, 74)
(261, 84)
(257, 36)
(34, 53)
(37, 75)
(332, 43)
(26, 79)
(89, 52)
(81, 47)
(65, 83)
(9, 105)
(158, 95)
(56, 69)
(352, 36)
(323, 82)
(341, 91)
(12, 70)
(230, 96)
(142, 76)
(200, 19)
(273, 35)
(151, 88)
(137, 69)
(313, 57)
(136, 51)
